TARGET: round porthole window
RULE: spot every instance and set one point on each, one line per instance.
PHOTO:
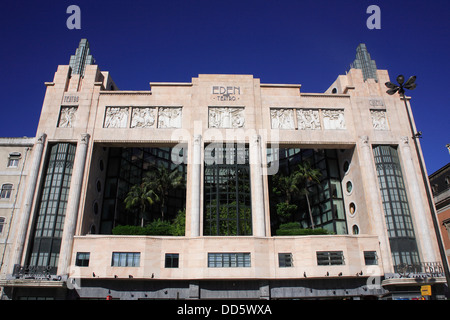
(349, 187)
(99, 186)
(355, 229)
(96, 207)
(352, 208)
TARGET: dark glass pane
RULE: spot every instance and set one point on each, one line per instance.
(52, 207)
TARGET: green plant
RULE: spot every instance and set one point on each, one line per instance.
(179, 223)
(156, 227)
(306, 174)
(287, 187)
(286, 210)
(139, 197)
(162, 181)
(294, 229)
(128, 230)
(159, 228)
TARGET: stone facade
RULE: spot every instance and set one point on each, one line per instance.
(351, 117)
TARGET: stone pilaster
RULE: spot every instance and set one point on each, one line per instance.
(374, 201)
(258, 212)
(196, 186)
(417, 205)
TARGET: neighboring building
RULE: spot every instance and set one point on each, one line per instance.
(440, 185)
(232, 139)
(14, 168)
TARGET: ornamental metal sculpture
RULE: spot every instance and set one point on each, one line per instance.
(393, 88)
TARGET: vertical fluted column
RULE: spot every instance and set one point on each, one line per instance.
(196, 186)
(28, 204)
(258, 212)
(73, 204)
(371, 185)
(418, 207)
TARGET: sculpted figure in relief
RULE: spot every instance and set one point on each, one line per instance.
(308, 119)
(282, 118)
(67, 117)
(142, 118)
(169, 117)
(226, 117)
(333, 119)
(116, 117)
(379, 120)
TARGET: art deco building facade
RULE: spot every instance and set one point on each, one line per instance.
(234, 143)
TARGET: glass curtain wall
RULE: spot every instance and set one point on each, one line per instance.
(325, 199)
(227, 198)
(52, 208)
(127, 167)
(395, 204)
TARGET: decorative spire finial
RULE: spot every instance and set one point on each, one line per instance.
(81, 58)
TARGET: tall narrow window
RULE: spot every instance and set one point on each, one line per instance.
(52, 207)
(227, 195)
(396, 208)
(446, 224)
(13, 161)
(2, 223)
(6, 191)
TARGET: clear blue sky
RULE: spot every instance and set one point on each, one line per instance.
(304, 42)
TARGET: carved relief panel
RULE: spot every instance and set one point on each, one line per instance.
(67, 117)
(226, 117)
(116, 117)
(333, 119)
(379, 119)
(143, 117)
(308, 119)
(282, 118)
(169, 117)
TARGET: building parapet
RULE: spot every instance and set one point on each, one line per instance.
(14, 142)
(324, 95)
(124, 92)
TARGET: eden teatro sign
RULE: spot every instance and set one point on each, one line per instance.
(419, 271)
(226, 93)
